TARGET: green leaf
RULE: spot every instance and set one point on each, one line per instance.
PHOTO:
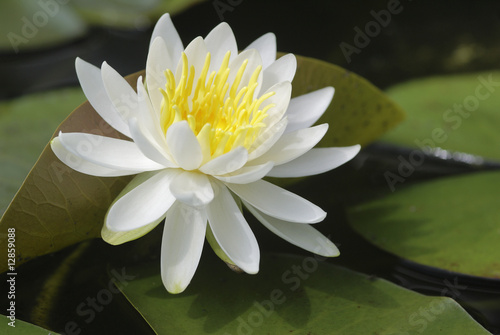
(26, 125)
(457, 113)
(450, 223)
(291, 295)
(22, 328)
(359, 113)
(128, 13)
(30, 24)
(57, 207)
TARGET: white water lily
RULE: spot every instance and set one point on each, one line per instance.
(205, 127)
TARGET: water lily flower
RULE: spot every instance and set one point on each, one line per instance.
(204, 127)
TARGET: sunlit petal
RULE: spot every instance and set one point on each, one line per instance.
(303, 111)
(184, 146)
(278, 202)
(144, 204)
(232, 232)
(266, 46)
(315, 161)
(192, 188)
(92, 85)
(182, 244)
(301, 235)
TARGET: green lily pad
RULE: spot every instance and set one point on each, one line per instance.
(26, 125)
(451, 223)
(359, 113)
(57, 207)
(456, 113)
(129, 14)
(21, 328)
(291, 295)
(27, 24)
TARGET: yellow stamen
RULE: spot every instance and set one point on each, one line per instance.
(224, 115)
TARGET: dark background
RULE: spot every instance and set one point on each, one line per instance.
(424, 38)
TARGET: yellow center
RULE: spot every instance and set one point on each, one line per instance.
(221, 116)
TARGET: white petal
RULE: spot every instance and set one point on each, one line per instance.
(181, 247)
(196, 53)
(283, 69)
(226, 163)
(315, 161)
(254, 61)
(144, 204)
(147, 116)
(232, 232)
(184, 146)
(122, 95)
(165, 29)
(267, 139)
(219, 41)
(149, 146)
(306, 109)
(119, 237)
(278, 202)
(301, 235)
(158, 61)
(281, 99)
(192, 188)
(109, 152)
(247, 174)
(79, 164)
(91, 81)
(266, 46)
(294, 144)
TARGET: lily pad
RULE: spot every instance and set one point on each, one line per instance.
(293, 295)
(456, 113)
(451, 223)
(129, 14)
(57, 206)
(26, 125)
(359, 113)
(30, 24)
(22, 328)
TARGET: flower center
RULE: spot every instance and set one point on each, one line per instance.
(222, 116)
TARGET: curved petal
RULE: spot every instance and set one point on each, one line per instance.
(266, 46)
(149, 147)
(278, 202)
(254, 61)
(184, 146)
(165, 29)
(119, 237)
(247, 174)
(294, 144)
(146, 203)
(231, 231)
(267, 139)
(90, 79)
(226, 163)
(196, 52)
(283, 69)
(83, 166)
(181, 246)
(109, 152)
(280, 100)
(301, 235)
(303, 111)
(219, 41)
(192, 188)
(157, 63)
(315, 161)
(146, 113)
